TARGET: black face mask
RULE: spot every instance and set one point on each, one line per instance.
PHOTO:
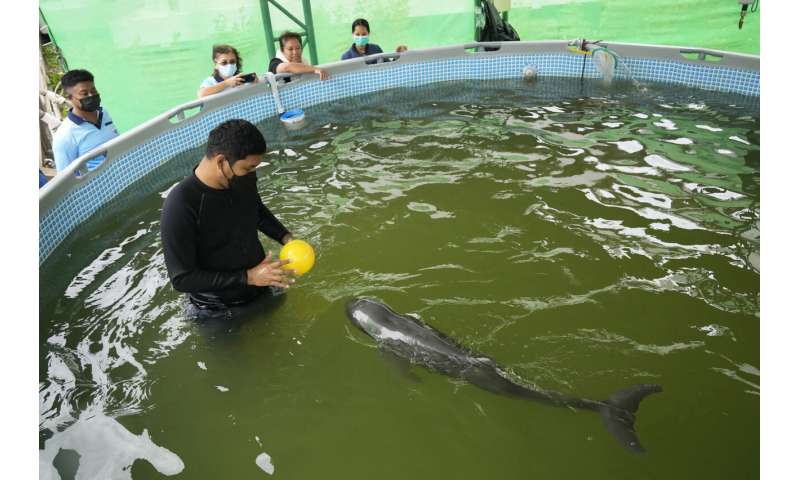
(236, 181)
(90, 103)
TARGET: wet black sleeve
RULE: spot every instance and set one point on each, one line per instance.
(273, 65)
(179, 240)
(269, 225)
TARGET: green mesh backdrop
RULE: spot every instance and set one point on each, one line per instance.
(151, 55)
(688, 23)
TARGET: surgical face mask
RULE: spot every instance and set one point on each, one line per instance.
(361, 41)
(90, 103)
(226, 71)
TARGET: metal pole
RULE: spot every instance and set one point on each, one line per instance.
(266, 20)
(287, 13)
(477, 12)
(312, 43)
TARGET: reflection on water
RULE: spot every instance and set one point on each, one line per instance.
(584, 235)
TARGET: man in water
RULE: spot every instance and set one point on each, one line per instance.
(87, 124)
(210, 223)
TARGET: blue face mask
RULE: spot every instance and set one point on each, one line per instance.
(226, 71)
(360, 41)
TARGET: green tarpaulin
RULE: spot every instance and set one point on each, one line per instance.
(151, 55)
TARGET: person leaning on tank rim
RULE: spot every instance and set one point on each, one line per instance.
(361, 46)
(227, 71)
(210, 223)
(289, 59)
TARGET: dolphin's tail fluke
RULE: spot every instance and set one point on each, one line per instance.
(619, 414)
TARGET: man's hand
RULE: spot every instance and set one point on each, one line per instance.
(401, 48)
(269, 273)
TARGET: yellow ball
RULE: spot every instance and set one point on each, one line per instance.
(300, 255)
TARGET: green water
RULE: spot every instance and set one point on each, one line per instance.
(589, 238)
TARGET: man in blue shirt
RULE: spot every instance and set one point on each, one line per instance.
(87, 125)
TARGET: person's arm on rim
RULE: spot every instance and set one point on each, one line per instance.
(300, 68)
(228, 82)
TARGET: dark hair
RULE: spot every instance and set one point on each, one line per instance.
(286, 36)
(236, 139)
(222, 49)
(74, 77)
(362, 22)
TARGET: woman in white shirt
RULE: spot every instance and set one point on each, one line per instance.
(227, 71)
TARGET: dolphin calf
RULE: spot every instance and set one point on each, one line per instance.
(409, 338)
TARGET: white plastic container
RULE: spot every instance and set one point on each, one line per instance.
(294, 119)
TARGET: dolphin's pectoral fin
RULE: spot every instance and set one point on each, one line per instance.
(399, 364)
(619, 414)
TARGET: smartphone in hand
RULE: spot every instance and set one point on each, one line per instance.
(249, 77)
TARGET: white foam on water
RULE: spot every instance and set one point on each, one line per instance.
(264, 462)
(107, 450)
(605, 193)
(289, 152)
(629, 146)
(643, 196)
(421, 207)
(660, 162)
(666, 124)
(624, 169)
(202, 365)
(716, 192)
(660, 226)
(680, 222)
(318, 145)
(223, 389)
(710, 129)
(681, 141)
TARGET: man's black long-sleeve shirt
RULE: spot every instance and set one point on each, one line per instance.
(210, 239)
